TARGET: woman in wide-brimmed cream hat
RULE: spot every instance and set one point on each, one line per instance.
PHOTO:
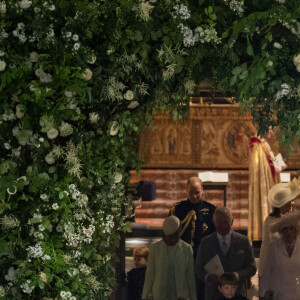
(283, 262)
(281, 198)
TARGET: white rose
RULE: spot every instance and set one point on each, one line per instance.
(33, 57)
(133, 104)
(94, 117)
(24, 4)
(296, 60)
(92, 60)
(2, 65)
(114, 128)
(50, 159)
(129, 95)
(52, 133)
(118, 177)
(87, 74)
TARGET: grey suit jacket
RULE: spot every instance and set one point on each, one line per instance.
(239, 259)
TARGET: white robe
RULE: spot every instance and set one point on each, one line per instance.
(281, 273)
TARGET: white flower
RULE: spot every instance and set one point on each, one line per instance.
(11, 274)
(277, 45)
(55, 206)
(41, 227)
(2, 7)
(52, 133)
(19, 111)
(118, 177)
(114, 128)
(68, 34)
(129, 95)
(49, 158)
(87, 74)
(24, 4)
(75, 37)
(133, 104)
(41, 139)
(270, 63)
(298, 68)
(94, 117)
(52, 7)
(4, 34)
(44, 197)
(37, 10)
(296, 60)
(76, 46)
(92, 59)
(63, 294)
(33, 57)
(2, 65)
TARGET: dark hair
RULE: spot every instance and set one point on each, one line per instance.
(227, 278)
(275, 212)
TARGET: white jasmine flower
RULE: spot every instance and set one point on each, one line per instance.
(94, 117)
(55, 206)
(52, 133)
(24, 4)
(129, 95)
(133, 104)
(92, 59)
(118, 177)
(76, 46)
(87, 74)
(33, 57)
(114, 128)
(277, 45)
(49, 158)
(75, 37)
(2, 65)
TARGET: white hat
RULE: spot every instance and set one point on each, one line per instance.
(171, 225)
(282, 193)
(288, 219)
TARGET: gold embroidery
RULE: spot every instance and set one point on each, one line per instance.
(204, 226)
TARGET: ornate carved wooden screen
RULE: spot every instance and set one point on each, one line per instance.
(213, 137)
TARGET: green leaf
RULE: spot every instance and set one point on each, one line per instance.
(233, 80)
(236, 71)
(210, 9)
(249, 50)
(138, 36)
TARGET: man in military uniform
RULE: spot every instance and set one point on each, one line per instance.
(196, 218)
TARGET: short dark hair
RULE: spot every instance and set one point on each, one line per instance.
(227, 278)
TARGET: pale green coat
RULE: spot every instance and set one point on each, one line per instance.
(156, 274)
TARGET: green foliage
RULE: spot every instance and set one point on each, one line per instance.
(78, 82)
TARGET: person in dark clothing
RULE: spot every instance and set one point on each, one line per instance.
(227, 285)
(196, 216)
(136, 276)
